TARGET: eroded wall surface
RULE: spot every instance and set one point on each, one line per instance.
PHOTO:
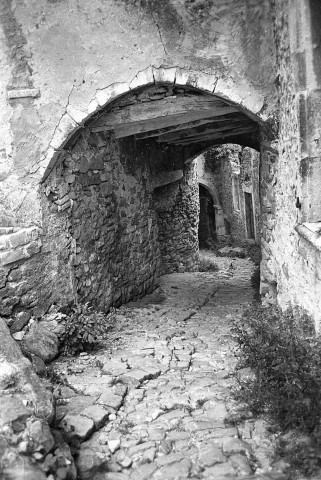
(177, 206)
(61, 62)
(291, 263)
(228, 172)
(65, 54)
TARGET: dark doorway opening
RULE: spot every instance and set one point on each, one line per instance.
(206, 228)
(249, 215)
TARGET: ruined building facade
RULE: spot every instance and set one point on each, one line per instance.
(229, 193)
(104, 109)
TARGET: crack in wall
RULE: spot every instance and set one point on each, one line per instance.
(160, 34)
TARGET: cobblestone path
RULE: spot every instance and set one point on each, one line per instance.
(155, 404)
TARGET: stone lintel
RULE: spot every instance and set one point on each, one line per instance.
(23, 93)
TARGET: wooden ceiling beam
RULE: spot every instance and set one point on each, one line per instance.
(212, 127)
(147, 116)
(189, 125)
(158, 108)
(126, 130)
(214, 136)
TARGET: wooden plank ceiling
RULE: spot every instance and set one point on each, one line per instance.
(183, 118)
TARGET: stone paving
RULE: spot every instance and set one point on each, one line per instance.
(155, 403)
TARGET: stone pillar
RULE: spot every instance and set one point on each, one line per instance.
(269, 163)
(177, 206)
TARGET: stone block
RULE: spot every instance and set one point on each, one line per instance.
(109, 399)
(110, 92)
(3, 276)
(235, 445)
(12, 410)
(167, 75)
(21, 320)
(33, 248)
(93, 106)
(41, 342)
(66, 127)
(145, 77)
(240, 93)
(77, 115)
(106, 188)
(23, 237)
(78, 427)
(210, 454)
(12, 256)
(89, 462)
(195, 79)
(40, 433)
(96, 413)
(4, 242)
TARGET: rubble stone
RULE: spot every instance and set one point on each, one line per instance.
(42, 342)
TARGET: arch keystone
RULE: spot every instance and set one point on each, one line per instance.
(166, 75)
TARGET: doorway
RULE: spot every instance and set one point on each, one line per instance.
(249, 215)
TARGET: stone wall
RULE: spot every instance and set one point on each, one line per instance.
(290, 266)
(230, 171)
(114, 218)
(209, 176)
(229, 157)
(177, 206)
(250, 183)
(112, 229)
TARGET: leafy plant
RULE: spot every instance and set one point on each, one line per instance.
(85, 328)
(255, 281)
(207, 264)
(285, 355)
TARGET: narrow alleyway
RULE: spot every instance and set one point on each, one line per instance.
(157, 398)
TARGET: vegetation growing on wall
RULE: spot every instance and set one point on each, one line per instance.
(285, 355)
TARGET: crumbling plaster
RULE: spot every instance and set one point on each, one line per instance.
(83, 54)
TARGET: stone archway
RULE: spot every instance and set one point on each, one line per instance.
(102, 237)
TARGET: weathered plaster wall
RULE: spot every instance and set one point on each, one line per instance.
(62, 61)
(111, 45)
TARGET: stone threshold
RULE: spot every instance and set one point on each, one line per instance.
(310, 232)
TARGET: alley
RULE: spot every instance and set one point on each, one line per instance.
(155, 403)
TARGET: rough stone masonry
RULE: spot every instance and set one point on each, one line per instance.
(266, 96)
(104, 107)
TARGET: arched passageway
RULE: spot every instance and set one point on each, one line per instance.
(121, 203)
(120, 199)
